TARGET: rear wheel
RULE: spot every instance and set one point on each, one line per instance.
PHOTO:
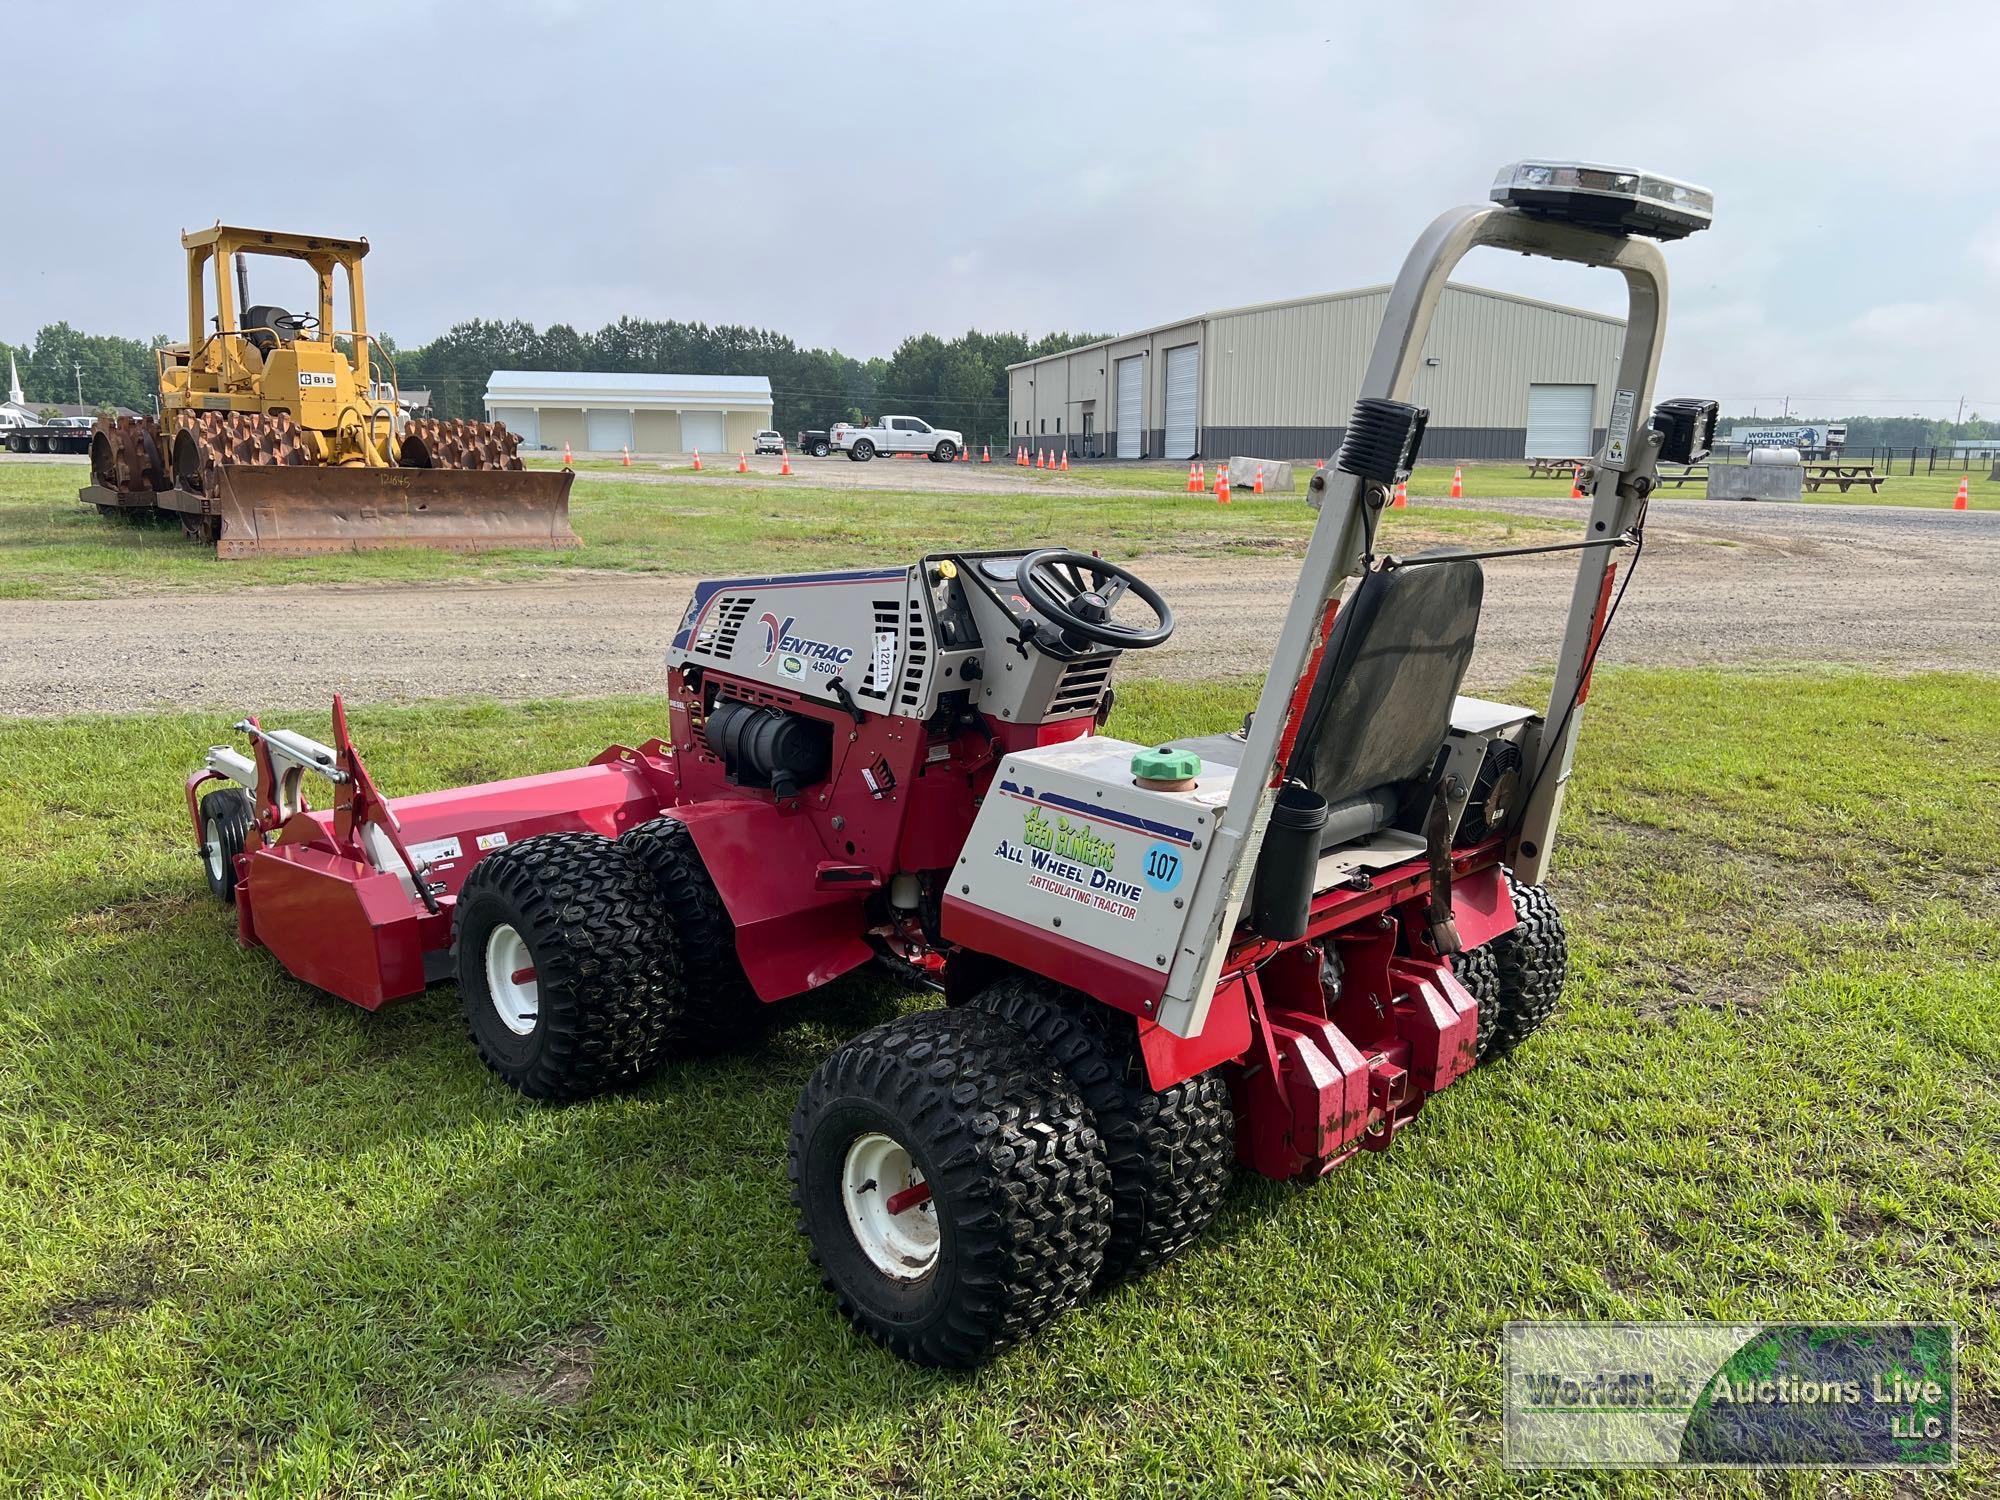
(948, 1179)
(820, 450)
(720, 1008)
(567, 989)
(861, 452)
(1478, 969)
(1169, 1151)
(1533, 963)
(227, 819)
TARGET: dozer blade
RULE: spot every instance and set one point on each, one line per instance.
(300, 511)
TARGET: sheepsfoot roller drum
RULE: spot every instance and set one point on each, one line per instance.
(1270, 948)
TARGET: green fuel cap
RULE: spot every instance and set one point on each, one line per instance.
(1166, 764)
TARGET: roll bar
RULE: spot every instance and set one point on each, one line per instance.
(1348, 507)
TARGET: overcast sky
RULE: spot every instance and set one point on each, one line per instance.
(852, 174)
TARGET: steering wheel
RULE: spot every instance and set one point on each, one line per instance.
(1078, 592)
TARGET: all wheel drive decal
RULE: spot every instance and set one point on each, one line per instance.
(1100, 814)
(1068, 860)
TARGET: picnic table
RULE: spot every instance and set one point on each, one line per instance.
(1681, 474)
(1843, 474)
(1552, 468)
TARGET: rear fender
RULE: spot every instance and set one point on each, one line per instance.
(790, 937)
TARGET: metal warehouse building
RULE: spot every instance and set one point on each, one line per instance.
(1503, 376)
(602, 413)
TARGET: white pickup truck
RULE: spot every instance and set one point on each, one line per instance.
(896, 435)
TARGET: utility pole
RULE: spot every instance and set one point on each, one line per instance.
(78, 367)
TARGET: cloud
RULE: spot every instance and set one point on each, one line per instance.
(1038, 167)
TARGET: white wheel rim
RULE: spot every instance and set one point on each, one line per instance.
(903, 1246)
(516, 1001)
(211, 850)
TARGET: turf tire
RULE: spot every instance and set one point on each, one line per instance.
(1169, 1151)
(1019, 1185)
(720, 1009)
(1533, 960)
(227, 822)
(608, 990)
(1478, 969)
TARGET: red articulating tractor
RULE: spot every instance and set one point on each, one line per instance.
(1265, 947)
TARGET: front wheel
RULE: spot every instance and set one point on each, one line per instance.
(944, 453)
(951, 1185)
(568, 990)
(820, 450)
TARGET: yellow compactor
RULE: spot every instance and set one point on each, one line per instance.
(280, 433)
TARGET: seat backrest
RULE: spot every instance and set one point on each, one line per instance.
(1380, 706)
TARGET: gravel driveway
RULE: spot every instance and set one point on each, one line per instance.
(1871, 585)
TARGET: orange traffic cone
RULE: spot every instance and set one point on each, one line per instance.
(985, 453)
(1458, 483)
(1402, 500)
(627, 459)
(1222, 484)
(784, 460)
(566, 458)
(1258, 487)
(697, 460)
(1320, 467)
(965, 455)
(1194, 483)
(742, 463)
(1065, 461)
(1964, 497)
(1576, 483)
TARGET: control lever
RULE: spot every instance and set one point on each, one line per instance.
(846, 699)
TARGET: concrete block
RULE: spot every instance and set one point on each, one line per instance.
(1243, 474)
(1756, 481)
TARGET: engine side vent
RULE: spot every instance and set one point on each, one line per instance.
(916, 660)
(719, 629)
(888, 619)
(1082, 685)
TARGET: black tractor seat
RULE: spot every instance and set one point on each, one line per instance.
(1380, 706)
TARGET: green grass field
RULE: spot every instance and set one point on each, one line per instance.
(51, 546)
(253, 1241)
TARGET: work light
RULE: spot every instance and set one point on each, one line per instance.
(1606, 197)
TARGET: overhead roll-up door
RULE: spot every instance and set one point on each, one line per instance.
(1183, 386)
(701, 432)
(523, 421)
(1131, 406)
(607, 431)
(1559, 420)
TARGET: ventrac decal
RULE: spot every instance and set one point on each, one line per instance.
(802, 653)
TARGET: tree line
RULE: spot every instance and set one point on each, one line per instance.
(959, 383)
